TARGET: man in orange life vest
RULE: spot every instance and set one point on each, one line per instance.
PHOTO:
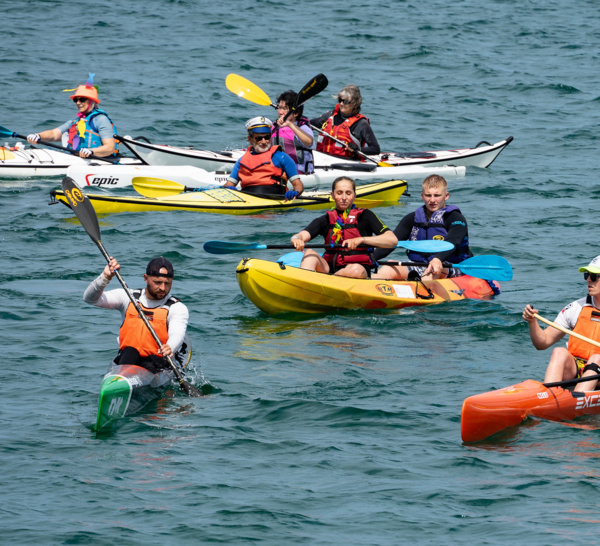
(578, 359)
(264, 169)
(167, 315)
(91, 132)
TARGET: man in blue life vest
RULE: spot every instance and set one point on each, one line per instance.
(435, 220)
(167, 315)
(264, 169)
(579, 358)
(91, 132)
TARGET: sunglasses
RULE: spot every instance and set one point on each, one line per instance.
(260, 136)
(592, 276)
(343, 101)
(80, 99)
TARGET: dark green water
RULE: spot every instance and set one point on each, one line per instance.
(341, 429)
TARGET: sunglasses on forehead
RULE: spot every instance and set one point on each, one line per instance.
(592, 276)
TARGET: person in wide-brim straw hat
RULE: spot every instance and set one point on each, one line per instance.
(265, 169)
(90, 132)
(579, 358)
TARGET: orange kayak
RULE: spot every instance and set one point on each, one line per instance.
(488, 413)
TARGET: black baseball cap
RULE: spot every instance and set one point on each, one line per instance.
(156, 264)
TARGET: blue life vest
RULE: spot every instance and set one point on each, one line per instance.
(86, 134)
(424, 230)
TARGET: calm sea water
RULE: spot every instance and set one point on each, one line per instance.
(341, 429)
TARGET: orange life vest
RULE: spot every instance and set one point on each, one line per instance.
(341, 132)
(133, 332)
(258, 169)
(588, 325)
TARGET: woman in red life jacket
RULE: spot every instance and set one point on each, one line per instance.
(578, 358)
(90, 132)
(346, 123)
(352, 230)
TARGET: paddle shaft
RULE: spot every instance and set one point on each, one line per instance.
(416, 264)
(565, 331)
(50, 145)
(157, 187)
(572, 381)
(361, 154)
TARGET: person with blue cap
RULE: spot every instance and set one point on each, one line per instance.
(579, 358)
(265, 169)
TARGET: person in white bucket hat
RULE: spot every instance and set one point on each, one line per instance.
(578, 358)
(264, 169)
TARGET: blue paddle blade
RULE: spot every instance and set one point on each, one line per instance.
(491, 268)
(226, 247)
(427, 247)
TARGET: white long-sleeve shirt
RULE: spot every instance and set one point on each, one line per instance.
(177, 319)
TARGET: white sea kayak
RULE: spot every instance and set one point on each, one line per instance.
(482, 155)
(35, 162)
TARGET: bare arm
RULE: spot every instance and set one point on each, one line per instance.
(51, 135)
(541, 339)
(300, 239)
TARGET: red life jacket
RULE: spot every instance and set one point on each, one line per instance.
(258, 169)
(349, 231)
(133, 332)
(588, 325)
(341, 132)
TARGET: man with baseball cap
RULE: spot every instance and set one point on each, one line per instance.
(578, 358)
(167, 315)
(265, 169)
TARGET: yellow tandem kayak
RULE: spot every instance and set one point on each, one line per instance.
(277, 288)
(225, 201)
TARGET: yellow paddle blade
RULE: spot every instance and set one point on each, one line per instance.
(156, 187)
(384, 164)
(247, 90)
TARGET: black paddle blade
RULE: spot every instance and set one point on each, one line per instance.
(82, 207)
(189, 389)
(311, 89)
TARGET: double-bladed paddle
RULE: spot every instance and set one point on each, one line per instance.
(7, 133)
(160, 187)
(226, 247)
(488, 267)
(84, 210)
(245, 89)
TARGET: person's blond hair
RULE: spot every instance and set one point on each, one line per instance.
(435, 181)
